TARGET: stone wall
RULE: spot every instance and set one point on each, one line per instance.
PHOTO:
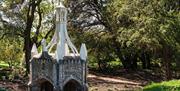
(58, 73)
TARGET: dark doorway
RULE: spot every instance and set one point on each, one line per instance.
(46, 86)
(72, 85)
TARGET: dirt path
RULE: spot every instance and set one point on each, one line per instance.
(96, 83)
(105, 83)
(115, 80)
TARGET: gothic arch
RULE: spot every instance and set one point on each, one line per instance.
(72, 84)
(42, 79)
(44, 84)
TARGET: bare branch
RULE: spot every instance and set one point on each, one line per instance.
(47, 35)
(40, 19)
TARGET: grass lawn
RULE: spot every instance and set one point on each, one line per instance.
(173, 85)
(3, 65)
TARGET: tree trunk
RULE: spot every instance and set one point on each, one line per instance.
(134, 62)
(167, 63)
(27, 49)
(27, 33)
(148, 65)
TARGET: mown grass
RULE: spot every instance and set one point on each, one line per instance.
(173, 85)
(3, 65)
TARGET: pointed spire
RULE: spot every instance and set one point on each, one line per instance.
(83, 52)
(34, 50)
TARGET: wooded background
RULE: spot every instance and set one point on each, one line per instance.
(119, 34)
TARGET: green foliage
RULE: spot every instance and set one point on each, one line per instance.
(145, 26)
(23, 20)
(11, 52)
(116, 32)
(173, 85)
(11, 57)
(134, 31)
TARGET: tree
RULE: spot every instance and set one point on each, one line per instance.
(27, 17)
(127, 30)
(138, 30)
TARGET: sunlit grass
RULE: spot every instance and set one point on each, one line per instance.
(3, 64)
(173, 85)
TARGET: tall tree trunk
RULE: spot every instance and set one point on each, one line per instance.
(148, 65)
(27, 49)
(27, 33)
(167, 63)
(134, 62)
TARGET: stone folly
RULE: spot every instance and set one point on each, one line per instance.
(62, 70)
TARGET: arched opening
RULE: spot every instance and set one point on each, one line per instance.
(46, 86)
(72, 85)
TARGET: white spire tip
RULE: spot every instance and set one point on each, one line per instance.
(83, 52)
